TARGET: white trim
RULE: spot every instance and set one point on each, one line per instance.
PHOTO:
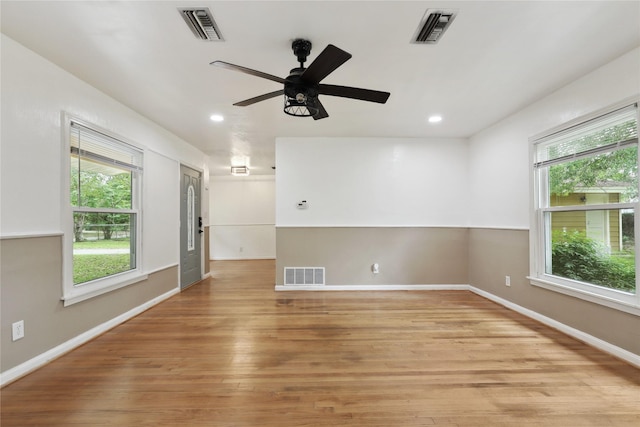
(166, 267)
(368, 226)
(238, 259)
(599, 190)
(42, 359)
(468, 227)
(371, 287)
(595, 297)
(496, 227)
(84, 292)
(627, 356)
(9, 236)
(240, 225)
(256, 177)
(104, 210)
(198, 169)
(585, 208)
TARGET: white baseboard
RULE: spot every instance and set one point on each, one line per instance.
(616, 351)
(31, 365)
(241, 259)
(372, 287)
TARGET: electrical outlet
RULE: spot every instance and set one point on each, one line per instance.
(17, 330)
(241, 249)
(507, 280)
(375, 268)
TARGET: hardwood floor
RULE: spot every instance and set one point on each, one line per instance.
(232, 352)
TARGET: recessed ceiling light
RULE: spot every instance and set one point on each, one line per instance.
(216, 118)
(435, 119)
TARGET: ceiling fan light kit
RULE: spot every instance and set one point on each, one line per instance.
(301, 108)
(302, 86)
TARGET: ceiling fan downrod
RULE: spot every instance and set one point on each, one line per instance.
(301, 49)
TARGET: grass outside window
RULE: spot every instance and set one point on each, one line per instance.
(94, 259)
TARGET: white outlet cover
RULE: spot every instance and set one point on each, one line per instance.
(17, 330)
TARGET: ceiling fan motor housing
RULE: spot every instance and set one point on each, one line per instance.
(300, 95)
(295, 85)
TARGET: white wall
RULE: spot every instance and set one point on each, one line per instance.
(499, 162)
(242, 217)
(35, 93)
(161, 190)
(371, 182)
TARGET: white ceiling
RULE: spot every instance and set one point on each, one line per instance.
(496, 58)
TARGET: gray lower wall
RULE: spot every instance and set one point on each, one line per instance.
(495, 253)
(31, 280)
(479, 257)
(406, 255)
(31, 287)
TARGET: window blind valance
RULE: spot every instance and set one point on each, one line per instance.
(610, 132)
(92, 145)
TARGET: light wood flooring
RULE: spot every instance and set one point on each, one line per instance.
(230, 351)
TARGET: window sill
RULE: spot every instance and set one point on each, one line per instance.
(617, 304)
(85, 292)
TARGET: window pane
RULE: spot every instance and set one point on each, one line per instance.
(103, 245)
(605, 178)
(95, 185)
(595, 247)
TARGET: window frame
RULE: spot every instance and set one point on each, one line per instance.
(72, 293)
(623, 301)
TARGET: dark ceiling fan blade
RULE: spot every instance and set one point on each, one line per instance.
(329, 59)
(260, 98)
(246, 70)
(322, 113)
(354, 93)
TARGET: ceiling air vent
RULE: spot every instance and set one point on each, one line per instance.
(433, 25)
(201, 23)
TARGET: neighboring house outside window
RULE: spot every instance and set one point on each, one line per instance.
(103, 244)
(583, 239)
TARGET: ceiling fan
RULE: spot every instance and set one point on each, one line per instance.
(302, 86)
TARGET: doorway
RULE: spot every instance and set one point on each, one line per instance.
(190, 227)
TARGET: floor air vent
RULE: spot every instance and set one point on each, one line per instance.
(433, 26)
(304, 275)
(201, 23)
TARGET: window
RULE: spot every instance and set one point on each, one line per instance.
(586, 204)
(104, 199)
